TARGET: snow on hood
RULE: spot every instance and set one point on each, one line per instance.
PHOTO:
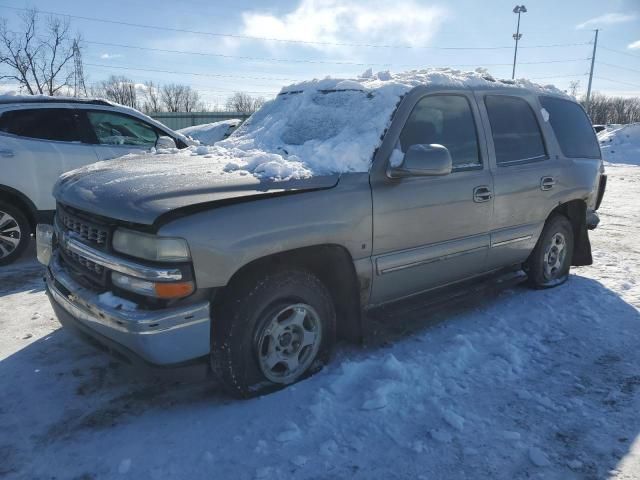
(621, 143)
(327, 126)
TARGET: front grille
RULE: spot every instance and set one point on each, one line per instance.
(88, 264)
(76, 224)
(94, 234)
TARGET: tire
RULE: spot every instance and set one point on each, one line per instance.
(15, 233)
(265, 325)
(549, 263)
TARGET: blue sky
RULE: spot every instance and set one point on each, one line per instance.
(408, 25)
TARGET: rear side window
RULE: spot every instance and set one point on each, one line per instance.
(62, 124)
(446, 120)
(115, 129)
(515, 130)
(571, 127)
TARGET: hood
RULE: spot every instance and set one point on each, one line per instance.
(142, 188)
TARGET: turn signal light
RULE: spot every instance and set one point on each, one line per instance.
(173, 290)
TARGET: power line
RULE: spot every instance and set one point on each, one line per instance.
(621, 52)
(269, 39)
(239, 57)
(330, 62)
(620, 67)
(560, 76)
(217, 75)
(619, 81)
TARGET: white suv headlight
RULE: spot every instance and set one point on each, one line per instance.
(150, 247)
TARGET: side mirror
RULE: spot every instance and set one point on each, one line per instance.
(423, 161)
(165, 142)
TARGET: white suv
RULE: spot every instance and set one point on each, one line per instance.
(43, 137)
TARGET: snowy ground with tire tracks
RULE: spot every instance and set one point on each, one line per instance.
(520, 384)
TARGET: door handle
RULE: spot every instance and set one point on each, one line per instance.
(547, 183)
(6, 152)
(482, 193)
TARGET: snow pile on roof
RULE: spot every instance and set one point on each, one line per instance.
(621, 143)
(331, 125)
(210, 133)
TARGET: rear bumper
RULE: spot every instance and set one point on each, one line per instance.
(159, 337)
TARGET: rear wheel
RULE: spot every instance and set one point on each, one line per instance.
(272, 330)
(550, 261)
(14, 233)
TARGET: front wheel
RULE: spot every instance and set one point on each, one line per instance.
(549, 263)
(14, 233)
(272, 330)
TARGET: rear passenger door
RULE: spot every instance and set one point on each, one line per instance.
(37, 145)
(525, 176)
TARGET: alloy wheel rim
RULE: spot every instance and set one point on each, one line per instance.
(554, 256)
(289, 343)
(10, 234)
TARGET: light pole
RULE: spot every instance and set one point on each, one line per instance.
(519, 9)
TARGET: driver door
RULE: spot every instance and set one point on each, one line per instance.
(429, 231)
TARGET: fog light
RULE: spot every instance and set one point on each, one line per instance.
(165, 290)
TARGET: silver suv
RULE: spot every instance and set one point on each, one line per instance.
(260, 275)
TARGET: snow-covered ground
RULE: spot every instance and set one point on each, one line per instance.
(210, 133)
(520, 384)
(621, 143)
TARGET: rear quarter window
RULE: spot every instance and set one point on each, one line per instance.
(571, 127)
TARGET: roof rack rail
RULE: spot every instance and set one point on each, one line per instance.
(8, 99)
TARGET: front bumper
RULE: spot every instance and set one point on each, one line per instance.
(163, 337)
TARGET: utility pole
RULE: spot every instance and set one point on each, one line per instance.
(593, 61)
(519, 9)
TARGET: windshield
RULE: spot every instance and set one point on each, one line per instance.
(328, 130)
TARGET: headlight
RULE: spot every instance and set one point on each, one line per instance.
(150, 247)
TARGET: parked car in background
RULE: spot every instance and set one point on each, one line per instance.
(337, 197)
(42, 137)
(210, 133)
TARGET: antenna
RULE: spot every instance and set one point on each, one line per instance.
(79, 88)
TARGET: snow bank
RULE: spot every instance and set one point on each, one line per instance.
(621, 143)
(210, 133)
(329, 126)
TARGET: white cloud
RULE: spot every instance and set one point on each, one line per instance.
(607, 19)
(350, 21)
(634, 45)
(110, 56)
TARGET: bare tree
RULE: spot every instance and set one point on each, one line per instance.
(171, 96)
(151, 94)
(180, 98)
(191, 101)
(118, 89)
(604, 109)
(242, 102)
(41, 64)
(574, 87)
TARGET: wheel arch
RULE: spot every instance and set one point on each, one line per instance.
(576, 211)
(333, 265)
(20, 200)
